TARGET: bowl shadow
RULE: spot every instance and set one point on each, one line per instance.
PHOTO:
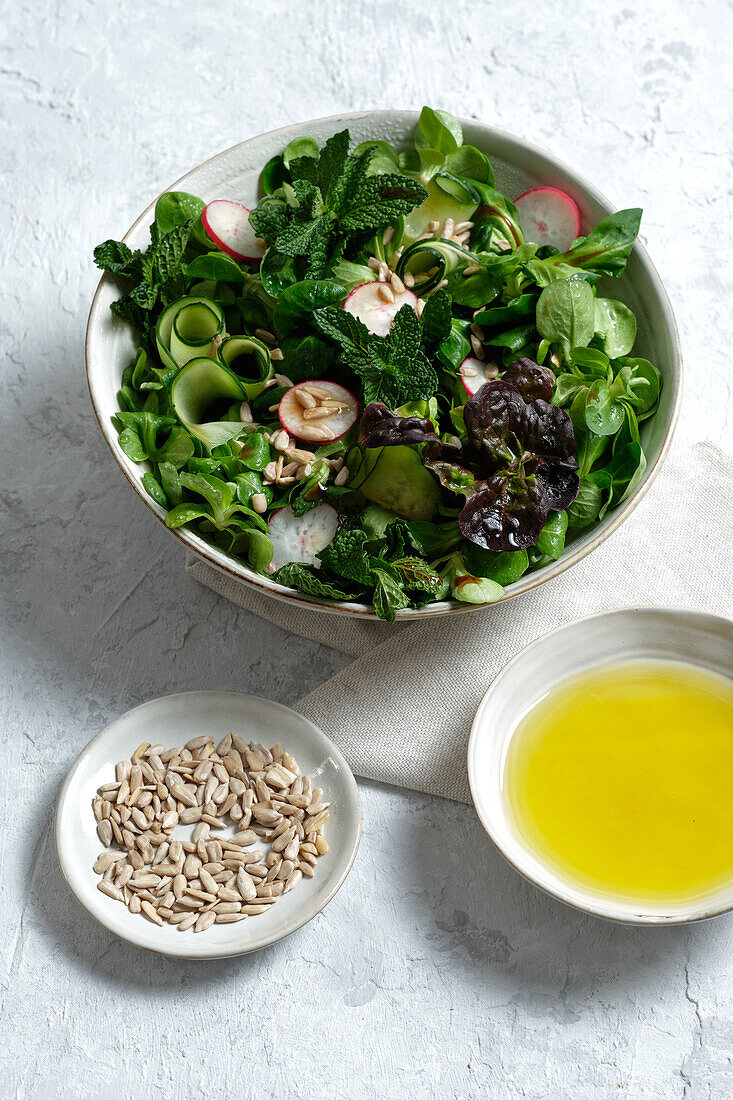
(484, 916)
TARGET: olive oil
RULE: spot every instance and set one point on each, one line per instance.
(621, 780)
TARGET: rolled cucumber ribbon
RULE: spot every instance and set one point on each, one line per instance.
(249, 359)
(187, 329)
(196, 389)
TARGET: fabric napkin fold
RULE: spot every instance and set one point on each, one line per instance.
(402, 712)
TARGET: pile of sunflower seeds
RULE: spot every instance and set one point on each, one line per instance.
(210, 878)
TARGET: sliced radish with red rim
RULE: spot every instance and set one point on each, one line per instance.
(374, 309)
(549, 216)
(474, 373)
(227, 223)
(300, 538)
(318, 411)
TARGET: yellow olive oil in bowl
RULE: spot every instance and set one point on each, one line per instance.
(620, 779)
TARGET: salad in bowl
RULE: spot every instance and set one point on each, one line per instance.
(386, 383)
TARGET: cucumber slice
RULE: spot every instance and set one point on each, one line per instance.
(164, 327)
(460, 190)
(194, 328)
(396, 478)
(437, 252)
(249, 359)
(195, 388)
(438, 206)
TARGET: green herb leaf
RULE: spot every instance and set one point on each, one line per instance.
(269, 219)
(216, 266)
(436, 319)
(438, 130)
(416, 573)
(299, 300)
(606, 248)
(332, 198)
(603, 414)
(389, 595)
(394, 368)
(347, 556)
(113, 256)
(615, 327)
(176, 207)
(306, 579)
(566, 314)
(552, 537)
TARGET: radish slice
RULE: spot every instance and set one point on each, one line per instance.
(549, 216)
(227, 223)
(299, 538)
(474, 374)
(318, 411)
(367, 304)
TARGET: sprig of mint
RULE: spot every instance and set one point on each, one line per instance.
(330, 199)
(157, 274)
(393, 368)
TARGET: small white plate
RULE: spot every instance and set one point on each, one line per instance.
(173, 720)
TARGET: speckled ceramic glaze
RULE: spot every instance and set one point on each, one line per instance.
(639, 633)
(519, 166)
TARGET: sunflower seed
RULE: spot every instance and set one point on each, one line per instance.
(193, 883)
(205, 921)
(183, 795)
(110, 890)
(151, 913)
(293, 880)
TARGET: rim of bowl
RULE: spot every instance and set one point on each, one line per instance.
(267, 941)
(242, 573)
(566, 896)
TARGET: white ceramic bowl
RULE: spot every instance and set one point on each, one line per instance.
(639, 633)
(519, 166)
(173, 720)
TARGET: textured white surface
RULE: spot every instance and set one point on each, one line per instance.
(436, 970)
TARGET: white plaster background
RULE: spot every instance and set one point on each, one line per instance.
(436, 971)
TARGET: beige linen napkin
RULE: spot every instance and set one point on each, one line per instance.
(402, 712)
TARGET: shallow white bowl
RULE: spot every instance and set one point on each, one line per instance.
(519, 166)
(639, 633)
(173, 720)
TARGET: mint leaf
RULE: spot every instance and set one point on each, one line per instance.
(305, 579)
(169, 252)
(394, 368)
(389, 596)
(335, 198)
(269, 219)
(158, 274)
(376, 200)
(346, 555)
(436, 319)
(113, 256)
(416, 573)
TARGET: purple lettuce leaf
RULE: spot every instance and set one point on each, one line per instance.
(380, 427)
(517, 466)
(530, 379)
(508, 513)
